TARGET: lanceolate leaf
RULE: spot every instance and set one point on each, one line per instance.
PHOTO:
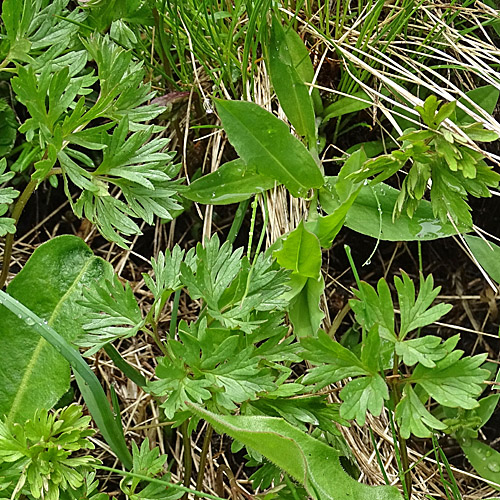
(487, 254)
(230, 183)
(309, 461)
(292, 92)
(50, 285)
(264, 142)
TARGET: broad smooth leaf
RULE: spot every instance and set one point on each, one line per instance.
(484, 459)
(292, 92)
(230, 183)
(487, 254)
(485, 97)
(304, 312)
(309, 461)
(265, 143)
(301, 253)
(32, 373)
(365, 218)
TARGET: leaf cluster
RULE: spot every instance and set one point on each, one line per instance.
(421, 368)
(87, 125)
(233, 350)
(37, 458)
(442, 159)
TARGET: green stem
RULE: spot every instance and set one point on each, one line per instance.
(405, 462)
(173, 316)
(9, 239)
(203, 456)
(188, 461)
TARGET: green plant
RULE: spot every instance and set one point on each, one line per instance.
(80, 80)
(389, 368)
(37, 458)
(442, 157)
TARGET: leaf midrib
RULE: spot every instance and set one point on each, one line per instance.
(24, 385)
(281, 166)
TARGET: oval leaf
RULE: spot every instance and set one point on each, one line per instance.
(309, 461)
(484, 459)
(230, 183)
(365, 218)
(301, 253)
(265, 143)
(32, 373)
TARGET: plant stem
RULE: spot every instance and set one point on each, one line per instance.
(9, 239)
(405, 462)
(188, 462)
(203, 456)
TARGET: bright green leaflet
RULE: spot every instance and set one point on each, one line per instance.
(301, 253)
(305, 312)
(309, 461)
(291, 90)
(364, 216)
(232, 182)
(265, 143)
(50, 284)
(486, 97)
(487, 254)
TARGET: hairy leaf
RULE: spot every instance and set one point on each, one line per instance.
(307, 460)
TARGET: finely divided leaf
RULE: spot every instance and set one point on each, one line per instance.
(111, 313)
(416, 313)
(453, 382)
(425, 350)
(362, 394)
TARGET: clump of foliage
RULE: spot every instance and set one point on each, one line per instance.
(38, 458)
